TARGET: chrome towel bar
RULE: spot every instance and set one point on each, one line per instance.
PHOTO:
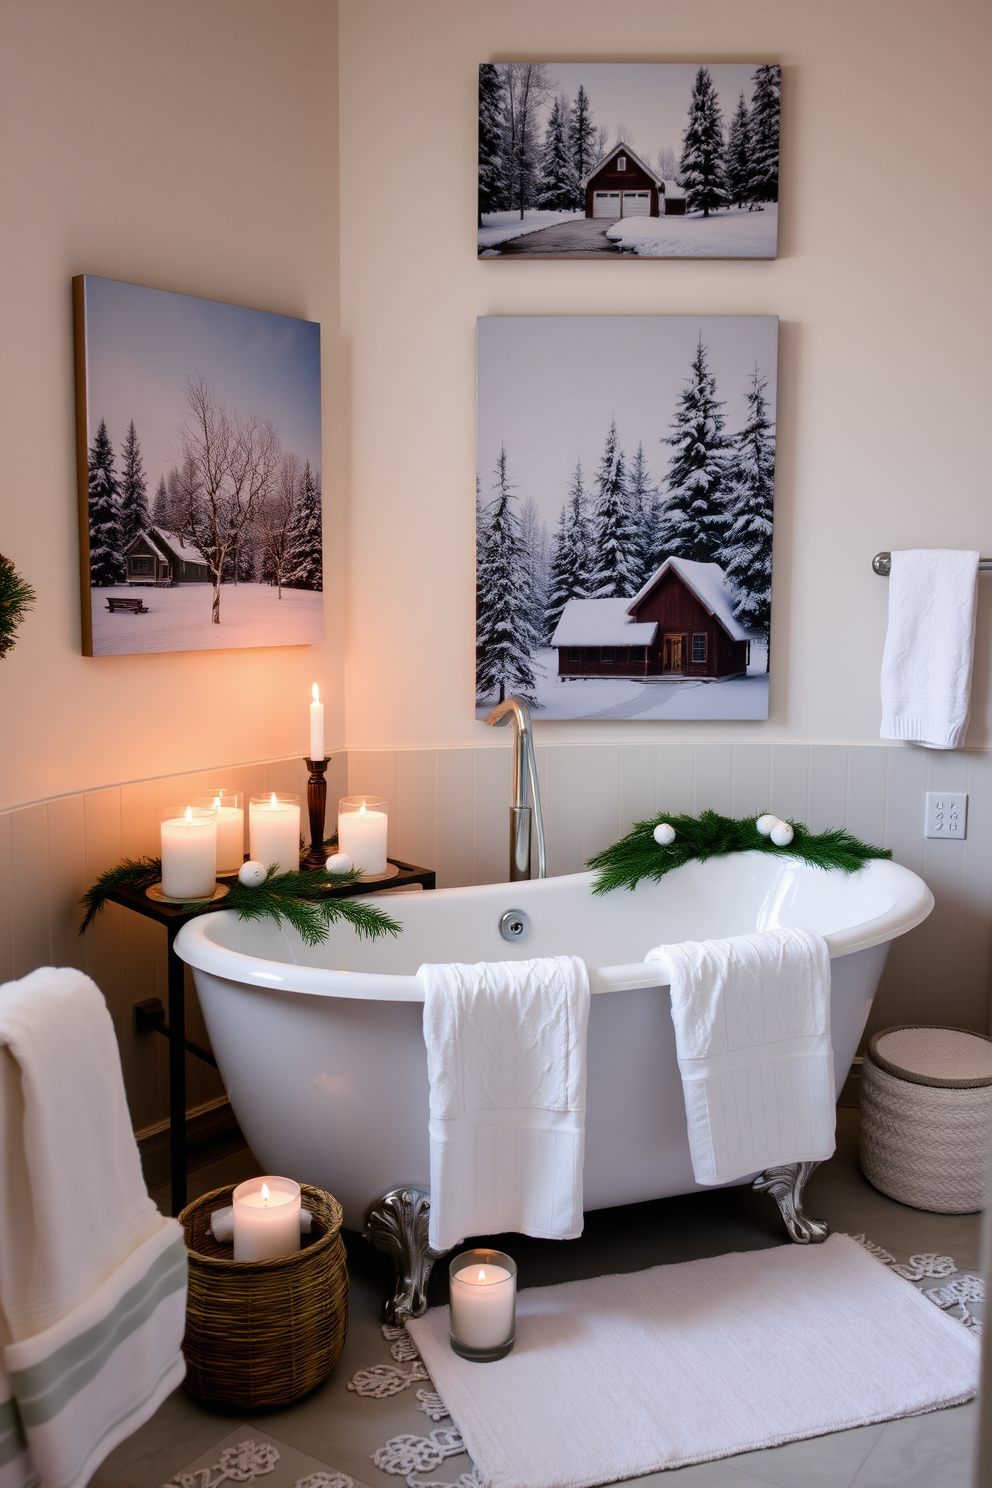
(882, 563)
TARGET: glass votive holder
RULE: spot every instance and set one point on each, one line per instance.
(483, 1285)
(266, 1219)
(363, 825)
(274, 830)
(230, 808)
(189, 852)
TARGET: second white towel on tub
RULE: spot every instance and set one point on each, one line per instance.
(506, 1057)
(752, 1031)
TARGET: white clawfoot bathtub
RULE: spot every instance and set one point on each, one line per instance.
(321, 1048)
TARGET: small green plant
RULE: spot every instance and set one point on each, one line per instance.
(16, 599)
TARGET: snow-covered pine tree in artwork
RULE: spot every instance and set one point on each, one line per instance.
(746, 556)
(616, 561)
(160, 505)
(645, 508)
(132, 504)
(505, 639)
(693, 520)
(557, 185)
(492, 167)
(106, 560)
(581, 143)
(739, 157)
(537, 561)
(701, 168)
(304, 564)
(571, 559)
(765, 111)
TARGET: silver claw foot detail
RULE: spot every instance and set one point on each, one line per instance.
(397, 1223)
(786, 1187)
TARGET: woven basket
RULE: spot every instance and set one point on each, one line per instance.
(263, 1333)
(926, 1114)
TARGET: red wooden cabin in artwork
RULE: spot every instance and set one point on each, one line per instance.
(621, 185)
(680, 625)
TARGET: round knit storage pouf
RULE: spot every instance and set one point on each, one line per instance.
(262, 1333)
(926, 1110)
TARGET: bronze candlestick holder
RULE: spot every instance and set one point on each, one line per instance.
(315, 855)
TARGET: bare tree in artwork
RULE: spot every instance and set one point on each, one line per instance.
(526, 85)
(274, 518)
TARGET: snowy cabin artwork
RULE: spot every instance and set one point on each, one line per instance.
(198, 433)
(635, 159)
(625, 512)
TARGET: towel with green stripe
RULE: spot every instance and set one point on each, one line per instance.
(92, 1277)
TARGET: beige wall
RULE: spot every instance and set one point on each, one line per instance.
(189, 146)
(882, 287)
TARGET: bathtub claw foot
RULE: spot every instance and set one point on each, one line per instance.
(786, 1187)
(397, 1223)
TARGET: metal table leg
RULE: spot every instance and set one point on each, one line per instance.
(177, 1074)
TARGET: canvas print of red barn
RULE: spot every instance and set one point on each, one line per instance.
(635, 159)
(625, 511)
(198, 443)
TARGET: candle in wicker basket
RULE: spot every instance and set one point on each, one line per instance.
(266, 1219)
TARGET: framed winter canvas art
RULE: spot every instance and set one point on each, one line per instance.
(636, 159)
(198, 450)
(625, 501)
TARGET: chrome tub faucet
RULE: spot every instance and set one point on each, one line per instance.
(526, 821)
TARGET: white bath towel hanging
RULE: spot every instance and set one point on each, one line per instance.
(92, 1277)
(929, 644)
(506, 1056)
(752, 1032)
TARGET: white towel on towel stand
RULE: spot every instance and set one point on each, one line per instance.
(929, 645)
(752, 1031)
(506, 1057)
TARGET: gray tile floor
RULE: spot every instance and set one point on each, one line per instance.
(339, 1429)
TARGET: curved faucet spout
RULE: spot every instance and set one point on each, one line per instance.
(526, 789)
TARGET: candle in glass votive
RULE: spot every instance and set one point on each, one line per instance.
(189, 852)
(266, 1219)
(483, 1304)
(274, 830)
(362, 828)
(229, 806)
(316, 726)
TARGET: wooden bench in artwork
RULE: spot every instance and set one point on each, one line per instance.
(129, 606)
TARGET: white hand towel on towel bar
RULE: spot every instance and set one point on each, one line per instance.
(926, 664)
(752, 1032)
(506, 1057)
(92, 1277)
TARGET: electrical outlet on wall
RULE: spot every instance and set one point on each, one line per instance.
(947, 814)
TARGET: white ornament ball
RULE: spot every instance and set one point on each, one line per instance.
(251, 874)
(765, 824)
(339, 863)
(781, 834)
(664, 834)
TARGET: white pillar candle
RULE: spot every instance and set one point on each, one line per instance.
(266, 1219)
(362, 829)
(229, 806)
(483, 1297)
(274, 831)
(189, 852)
(316, 726)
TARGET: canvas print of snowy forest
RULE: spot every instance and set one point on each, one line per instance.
(199, 472)
(649, 160)
(625, 492)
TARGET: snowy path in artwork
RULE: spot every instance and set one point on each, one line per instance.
(730, 234)
(179, 619)
(499, 227)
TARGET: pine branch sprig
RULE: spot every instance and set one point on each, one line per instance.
(299, 898)
(710, 835)
(16, 599)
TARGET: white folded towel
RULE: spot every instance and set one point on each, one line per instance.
(752, 1031)
(506, 1056)
(926, 664)
(92, 1277)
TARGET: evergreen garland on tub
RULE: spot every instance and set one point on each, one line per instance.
(16, 598)
(641, 855)
(299, 898)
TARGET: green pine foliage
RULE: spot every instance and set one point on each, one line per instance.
(299, 898)
(16, 598)
(710, 835)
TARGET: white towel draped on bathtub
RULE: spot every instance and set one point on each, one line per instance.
(506, 1056)
(752, 1030)
(926, 664)
(92, 1277)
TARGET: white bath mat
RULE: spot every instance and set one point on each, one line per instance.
(625, 1375)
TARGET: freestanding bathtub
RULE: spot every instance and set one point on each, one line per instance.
(322, 1053)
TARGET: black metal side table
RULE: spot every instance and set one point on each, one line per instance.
(151, 1017)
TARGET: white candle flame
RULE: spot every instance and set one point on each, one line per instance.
(216, 803)
(273, 803)
(265, 1193)
(361, 809)
(316, 694)
(482, 1274)
(189, 813)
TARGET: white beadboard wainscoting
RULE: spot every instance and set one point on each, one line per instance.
(448, 809)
